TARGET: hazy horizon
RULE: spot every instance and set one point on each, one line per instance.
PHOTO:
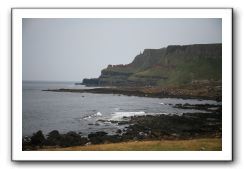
(69, 50)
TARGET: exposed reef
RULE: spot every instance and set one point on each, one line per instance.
(195, 91)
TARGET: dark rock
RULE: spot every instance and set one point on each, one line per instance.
(112, 139)
(206, 107)
(119, 131)
(122, 122)
(113, 121)
(27, 139)
(91, 82)
(72, 139)
(141, 135)
(26, 143)
(97, 138)
(38, 139)
(163, 126)
(53, 138)
(102, 137)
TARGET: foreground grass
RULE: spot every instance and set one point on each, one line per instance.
(208, 144)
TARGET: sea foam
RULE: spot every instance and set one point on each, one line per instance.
(98, 114)
(120, 115)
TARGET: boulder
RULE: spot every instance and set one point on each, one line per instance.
(53, 138)
(72, 139)
(38, 139)
(97, 138)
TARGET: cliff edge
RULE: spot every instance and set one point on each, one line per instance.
(174, 65)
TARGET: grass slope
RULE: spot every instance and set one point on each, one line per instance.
(202, 69)
(174, 65)
(208, 144)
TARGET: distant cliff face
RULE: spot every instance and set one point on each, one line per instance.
(173, 65)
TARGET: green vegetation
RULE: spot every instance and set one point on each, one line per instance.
(201, 69)
(156, 72)
(171, 66)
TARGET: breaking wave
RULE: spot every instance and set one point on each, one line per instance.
(120, 115)
(98, 114)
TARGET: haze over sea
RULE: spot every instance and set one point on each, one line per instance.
(86, 112)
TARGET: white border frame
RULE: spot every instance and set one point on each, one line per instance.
(19, 155)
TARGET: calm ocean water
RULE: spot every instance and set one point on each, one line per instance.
(86, 112)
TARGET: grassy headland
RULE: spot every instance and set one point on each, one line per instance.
(174, 65)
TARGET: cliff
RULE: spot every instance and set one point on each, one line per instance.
(171, 66)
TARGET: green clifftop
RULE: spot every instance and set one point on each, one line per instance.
(171, 66)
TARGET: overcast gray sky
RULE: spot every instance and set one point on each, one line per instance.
(73, 49)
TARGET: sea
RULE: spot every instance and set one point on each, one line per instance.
(86, 112)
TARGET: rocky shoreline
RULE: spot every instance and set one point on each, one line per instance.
(148, 127)
(185, 92)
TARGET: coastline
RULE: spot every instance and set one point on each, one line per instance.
(188, 126)
(178, 128)
(184, 92)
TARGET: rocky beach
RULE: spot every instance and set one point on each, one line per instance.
(187, 126)
(193, 91)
